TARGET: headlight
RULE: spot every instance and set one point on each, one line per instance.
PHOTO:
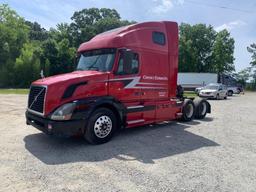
(64, 112)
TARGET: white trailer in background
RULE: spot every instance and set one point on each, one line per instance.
(190, 81)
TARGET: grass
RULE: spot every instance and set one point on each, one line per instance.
(14, 91)
(189, 94)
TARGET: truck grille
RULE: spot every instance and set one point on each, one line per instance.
(36, 98)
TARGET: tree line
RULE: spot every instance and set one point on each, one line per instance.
(202, 49)
(26, 48)
(247, 76)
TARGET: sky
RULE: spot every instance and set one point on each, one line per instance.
(237, 16)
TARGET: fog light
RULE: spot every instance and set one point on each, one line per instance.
(49, 127)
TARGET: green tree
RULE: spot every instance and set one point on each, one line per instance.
(59, 49)
(89, 22)
(252, 49)
(223, 50)
(27, 65)
(196, 44)
(13, 34)
(58, 57)
(66, 56)
(243, 76)
(50, 57)
(202, 49)
(36, 32)
(25, 44)
(187, 55)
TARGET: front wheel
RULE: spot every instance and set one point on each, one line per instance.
(101, 126)
(217, 97)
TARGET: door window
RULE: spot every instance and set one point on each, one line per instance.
(128, 66)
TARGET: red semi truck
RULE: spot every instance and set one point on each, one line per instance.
(125, 77)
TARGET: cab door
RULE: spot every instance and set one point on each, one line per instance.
(124, 85)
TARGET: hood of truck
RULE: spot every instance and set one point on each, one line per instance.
(86, 83)
(76, 75)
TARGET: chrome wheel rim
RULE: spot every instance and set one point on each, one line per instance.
(103, 126)
(189, 110)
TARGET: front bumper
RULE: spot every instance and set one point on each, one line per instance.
(204, 95)
(58, 128)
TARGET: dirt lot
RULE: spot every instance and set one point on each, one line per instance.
(216, 154)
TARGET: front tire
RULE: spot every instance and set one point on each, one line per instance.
(101, 126)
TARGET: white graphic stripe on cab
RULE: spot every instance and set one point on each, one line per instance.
(136, 84)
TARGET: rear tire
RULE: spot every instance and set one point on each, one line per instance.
(201, 108)
(230, 93)
(188, 110)
(101, 126)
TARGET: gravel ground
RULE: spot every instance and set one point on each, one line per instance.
(216, 154)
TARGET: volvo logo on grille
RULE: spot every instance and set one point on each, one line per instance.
(35, 98)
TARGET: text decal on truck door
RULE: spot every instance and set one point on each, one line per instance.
(135, 83)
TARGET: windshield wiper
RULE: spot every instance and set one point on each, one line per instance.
(92, 65)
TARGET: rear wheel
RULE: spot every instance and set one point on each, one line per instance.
(101, 126)
(201, 108)
(230, 93)
(188, 110)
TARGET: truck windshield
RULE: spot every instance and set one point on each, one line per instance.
(97, 60)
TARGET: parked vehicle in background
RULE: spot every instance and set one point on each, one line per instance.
(191, 81)
(233, 90)
(230, 90)
(198, 89)
(197, 81)
(214, 90)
